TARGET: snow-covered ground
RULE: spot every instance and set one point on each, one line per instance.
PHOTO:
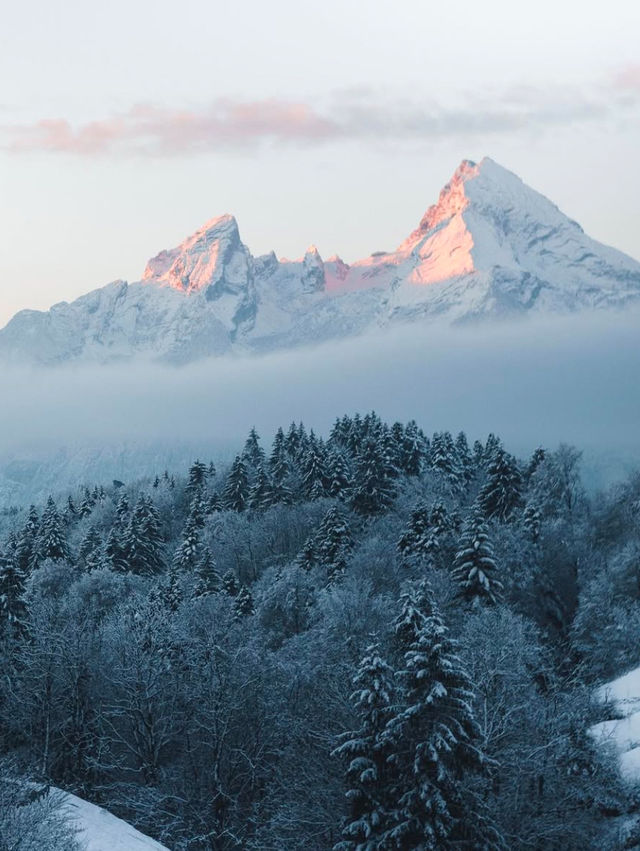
(623, 733)
(99, 830)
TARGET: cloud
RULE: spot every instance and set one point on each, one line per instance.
(357, 115)
(543, 381)
(628, 79)
(147, 128)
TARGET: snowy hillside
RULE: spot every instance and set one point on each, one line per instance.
(623, 731)
(490, 247)
(99, 830)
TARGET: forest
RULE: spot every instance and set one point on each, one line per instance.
(375, 639)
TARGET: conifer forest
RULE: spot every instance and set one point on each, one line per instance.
(374, 639)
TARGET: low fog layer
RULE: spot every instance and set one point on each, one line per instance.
(574, 379)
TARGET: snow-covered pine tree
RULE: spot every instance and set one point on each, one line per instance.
(71, 511)
(292, 443)
(340, 432)
(491, 446)
(196, 480)
(279, 469)
(474, 568)
(531, 520)
(390, 451)
(114, 555)
(315, 476)
(307, 558)
(90, 552)
(333, 543)
(465, 459)
(366, 752)
(13, 610)
(536, 459)
(339, 474)
(236, 489)
(52, 541)
(373, 490)
(27, 541)
(416, 533)
(214, 503)
(412, 449)
(142, 544)
(87, 504)
(208, 579)
(122, 509)
(434, 739)
(230, 583)
(198, 509)
(261, 494)
(253, 453)
(243, 605)
(169, 591)
(444, 458)
(502, 492)
(355, 436)
(186, 554)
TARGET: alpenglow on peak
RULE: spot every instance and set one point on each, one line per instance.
(489, 248)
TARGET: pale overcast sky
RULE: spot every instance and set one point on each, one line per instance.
(124, 126)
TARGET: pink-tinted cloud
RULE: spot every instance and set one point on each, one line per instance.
(355, 114)
(628, 79)
(151, 129)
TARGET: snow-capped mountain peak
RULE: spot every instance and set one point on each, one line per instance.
(452, 201)
(489, 247)
(212, 253)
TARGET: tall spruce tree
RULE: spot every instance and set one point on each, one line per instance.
(366, 751)
(27, 542)
(142, 544)
(474, 568)
(253, 453)
(186, 555)
(230, 583)
(208, 579)
(412, 449)
(236, 489)
(373, 489)
(339, 474)
(333, 543)
(122, 509)
(315, 475)
(434, 739)
(196, 480)
(502, 492)
(13, 609)
(243, 605)
(416, 538)
(52, 541)
(531, 521)
(444, 458)
(90, 551)
(261, 494)
(114, 554)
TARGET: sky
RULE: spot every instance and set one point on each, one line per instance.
(125, 126)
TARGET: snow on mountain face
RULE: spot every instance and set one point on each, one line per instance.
(490, 247)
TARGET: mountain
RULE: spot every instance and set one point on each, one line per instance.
(491, 247)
